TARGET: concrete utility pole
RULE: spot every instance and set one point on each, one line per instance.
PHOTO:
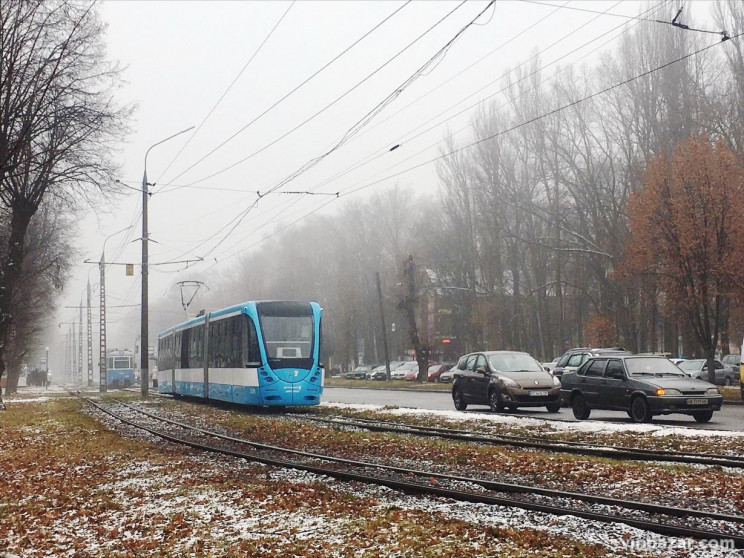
(74, 352)
(90, 340)
(80, 345)
(144, 331)
(102, 326)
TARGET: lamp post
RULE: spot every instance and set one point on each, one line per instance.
(144, 333)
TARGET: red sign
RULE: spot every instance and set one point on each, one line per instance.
(446, 341)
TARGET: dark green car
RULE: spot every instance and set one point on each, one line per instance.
(643, 386)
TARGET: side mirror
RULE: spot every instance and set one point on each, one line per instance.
(481, 370)
(617, 375)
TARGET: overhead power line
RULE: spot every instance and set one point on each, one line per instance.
(281, 100)
(386, 150)
(482, 140)
(363, 121)
(673, 23)
(229, 87)
(540, 117)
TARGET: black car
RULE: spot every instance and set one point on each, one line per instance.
(573, 358)
(502, 379)
(643, 386)
(359, 373)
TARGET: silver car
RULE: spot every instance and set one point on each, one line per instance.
(698, 368)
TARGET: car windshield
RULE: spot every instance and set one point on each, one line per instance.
(514, 362)
(696, 364)
(652, 367)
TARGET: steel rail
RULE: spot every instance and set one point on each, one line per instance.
(612, 452)
(661, 528)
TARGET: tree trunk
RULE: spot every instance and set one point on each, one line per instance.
(408, 305)
(10, 271)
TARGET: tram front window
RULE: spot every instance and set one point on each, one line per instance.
(287, 330)
(288, 337)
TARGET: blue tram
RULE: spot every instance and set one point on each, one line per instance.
(255, 353)
(119, 368)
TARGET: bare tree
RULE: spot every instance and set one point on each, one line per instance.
(58, 123)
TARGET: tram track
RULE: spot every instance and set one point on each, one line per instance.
(580, 448)
(656, 518)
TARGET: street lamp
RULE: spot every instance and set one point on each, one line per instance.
(144, 333)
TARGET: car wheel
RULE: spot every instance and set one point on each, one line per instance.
(554, 407)
(494, 401)
(580, 409)
(459, 399)
(727, 381)
(703, 416)
(639, 410)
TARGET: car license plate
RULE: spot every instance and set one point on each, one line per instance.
(538, 393)
(697, 401)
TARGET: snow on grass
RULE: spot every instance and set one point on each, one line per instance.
(592, 427)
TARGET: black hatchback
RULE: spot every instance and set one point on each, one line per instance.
(643, 386)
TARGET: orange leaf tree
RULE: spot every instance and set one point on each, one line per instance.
(686, 230)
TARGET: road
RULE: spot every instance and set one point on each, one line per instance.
(731, 417)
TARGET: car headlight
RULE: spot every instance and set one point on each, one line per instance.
(668, 392)
(556, 382)
(508, 382)
(712, 391)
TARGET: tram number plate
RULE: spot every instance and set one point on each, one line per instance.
(538, 393)
(697, 401)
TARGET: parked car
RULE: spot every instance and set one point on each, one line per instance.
(448, 376)
(412, 374)
(573, 358)
(377, 373)
(359, 373)
(698, 368)
(550, 366)
(643, 386)
(436, 370)
(502, 379)
(732, 361)
(400, 372)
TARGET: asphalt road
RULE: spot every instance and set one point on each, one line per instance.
(731, 417)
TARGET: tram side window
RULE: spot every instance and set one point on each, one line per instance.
(196, 348)
(233, 343)
(217, 344)
(253, 354)
(165, 353)
(185, 342)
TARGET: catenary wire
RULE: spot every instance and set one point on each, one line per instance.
(482, 140)
(282, 99)
(362, 122)
(229, 87)
(386, 150)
